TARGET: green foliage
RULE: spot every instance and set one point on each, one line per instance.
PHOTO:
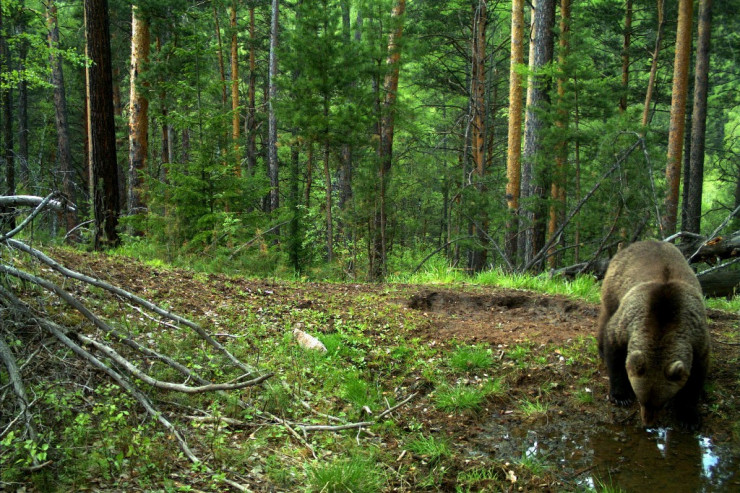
(355, 474)
(466, 398)
(470, 358)
(432, 449)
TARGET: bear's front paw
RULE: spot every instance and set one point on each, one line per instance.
(622, 397)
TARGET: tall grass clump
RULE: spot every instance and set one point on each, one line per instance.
(345, 475)
(469, 358)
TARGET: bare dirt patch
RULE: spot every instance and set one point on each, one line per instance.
(503, 317)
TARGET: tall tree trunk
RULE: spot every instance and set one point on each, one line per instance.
(309, 176)
(23, 100)
(514, 153)
(272, 122)
(678, 115)
(699, 119)
(626, 55)
(221, 67)
(385, 147)
(103, 166)
(64, 154)
(7, 124)
(345, 169)
(557, 190)
(235, 89)
(251, 120)
(329, 220)
(541, 52)
(478, 107)
(654, 64)
(138, 127)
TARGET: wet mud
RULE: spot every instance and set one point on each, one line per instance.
(596, 445)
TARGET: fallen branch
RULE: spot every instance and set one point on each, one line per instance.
(128, 296)
(186, 389)
(32, 200)
(6, 355)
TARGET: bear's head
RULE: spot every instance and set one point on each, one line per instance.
(656, 380)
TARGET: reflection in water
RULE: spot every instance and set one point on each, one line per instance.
(709, 459)
(633, 459)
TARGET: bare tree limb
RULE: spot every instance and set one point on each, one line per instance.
(130, 297)
(186, 389)
(32, 200)
(6, 355)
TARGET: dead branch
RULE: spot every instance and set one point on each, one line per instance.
(128, 296)
(556, 235)
(32, 200)
(6, 355)
(42, 205)
(186, 389)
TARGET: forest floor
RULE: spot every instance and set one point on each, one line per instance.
(508, 392)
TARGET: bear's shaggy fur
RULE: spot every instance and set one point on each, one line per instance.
(652, 331)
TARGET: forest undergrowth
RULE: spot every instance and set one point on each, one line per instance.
(416, 375)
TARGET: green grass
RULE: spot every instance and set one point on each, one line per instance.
(462, 398)
(535, 463)
(469, 358)
(437, 271)
(355, 474)
(431, 448)
(533, 408)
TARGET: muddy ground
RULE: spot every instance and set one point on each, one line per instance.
(584, 441)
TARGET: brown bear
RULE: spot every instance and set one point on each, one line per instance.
(652, 331)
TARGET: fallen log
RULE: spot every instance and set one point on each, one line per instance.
(716, 283)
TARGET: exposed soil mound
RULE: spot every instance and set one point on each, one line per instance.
(504, 317)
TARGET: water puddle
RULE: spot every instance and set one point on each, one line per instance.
(633, 459)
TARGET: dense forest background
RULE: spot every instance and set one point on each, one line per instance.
(355, 138)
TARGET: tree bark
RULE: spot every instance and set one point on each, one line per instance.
(654, 65)
(272, 122)
(385, 147)
(23, 100)
(138, 112)
(513, 157)
(678, 115)
(626, 55)
(478, 107)
(541, 53)
(558, 190)
(103, 166)
(220, 54)
(251, 120)
(699, 120)
(235, 89)
(329, 220)
(64, 154)
(7, 127)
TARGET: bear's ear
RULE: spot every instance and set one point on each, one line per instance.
(676, 371)
(636, 363)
